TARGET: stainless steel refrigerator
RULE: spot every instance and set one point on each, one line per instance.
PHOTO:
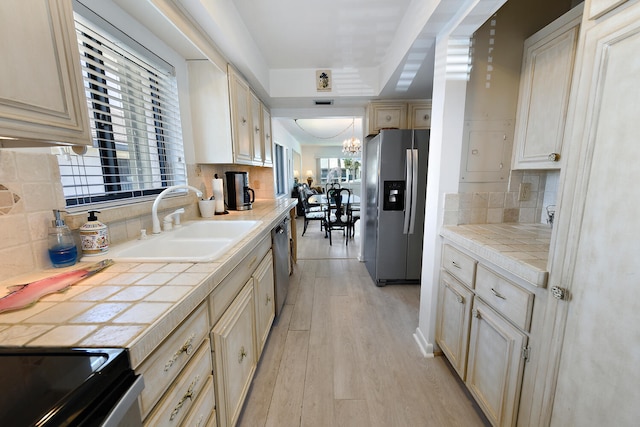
(395, 190)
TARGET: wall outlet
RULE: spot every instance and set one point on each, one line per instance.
(525, 192)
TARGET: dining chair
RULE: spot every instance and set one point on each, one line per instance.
(311, 213)
(337, 212)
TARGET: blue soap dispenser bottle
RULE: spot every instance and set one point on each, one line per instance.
(62, 246)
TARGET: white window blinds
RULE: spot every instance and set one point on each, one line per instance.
(135, 123)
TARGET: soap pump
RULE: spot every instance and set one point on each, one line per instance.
(62, 247)
(94, 236)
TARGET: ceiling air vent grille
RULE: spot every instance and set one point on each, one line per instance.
(323, 101)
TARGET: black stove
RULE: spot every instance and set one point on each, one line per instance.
(56, 387)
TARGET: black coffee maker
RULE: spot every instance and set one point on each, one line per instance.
(238, 190)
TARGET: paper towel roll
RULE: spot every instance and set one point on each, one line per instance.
(218, 194)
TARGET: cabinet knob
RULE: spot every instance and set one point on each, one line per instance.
(425, 117)
(475, 313)
(242, 354)
(257, 129)
(268, 300)
(388, 118)
(554, 157)
(243, 120)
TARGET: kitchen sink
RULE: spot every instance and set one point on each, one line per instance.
(195, 241)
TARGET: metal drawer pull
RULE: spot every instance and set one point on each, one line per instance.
(187, 347)
(496, 293)
(459, 297)
(268, 300)
(242, 354)
(187, 395)
(455, 264)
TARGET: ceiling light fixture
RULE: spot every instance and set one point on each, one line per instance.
(353, 145)
(322, 137)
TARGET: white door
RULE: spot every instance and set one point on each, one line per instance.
(598, 380)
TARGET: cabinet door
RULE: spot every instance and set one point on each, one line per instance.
(545, 86)
(264, 301)
(495, 366)
(257, 130)
(420, 116)
(41, 90)
(454, 316)
(235, 355)
(267, 140)
(241, 120)
(387, 116)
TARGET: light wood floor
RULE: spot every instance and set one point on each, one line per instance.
(342, 352)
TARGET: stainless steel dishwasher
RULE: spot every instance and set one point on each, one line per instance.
(280, 242)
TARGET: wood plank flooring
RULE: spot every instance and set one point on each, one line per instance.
(342, 352)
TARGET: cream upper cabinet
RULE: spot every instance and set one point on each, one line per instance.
(386, 115)
(495, 366)
(41, 91)
(267, 139)
(419, 115)
(249, 124)
(241, 119)
(545, 87)
(210, 112)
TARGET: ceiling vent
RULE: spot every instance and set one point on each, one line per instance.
(323, 101)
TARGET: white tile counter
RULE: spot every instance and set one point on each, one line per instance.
(521, 249)
(131, 305)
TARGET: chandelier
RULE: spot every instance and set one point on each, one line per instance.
(353, 145)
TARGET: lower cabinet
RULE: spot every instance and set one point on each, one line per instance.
(452, 328)
(264, 295)
(241, 312)
(235, 355)
(481, 328)
(495, 365)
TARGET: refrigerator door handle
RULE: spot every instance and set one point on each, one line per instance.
(411, 172)
(414, 188)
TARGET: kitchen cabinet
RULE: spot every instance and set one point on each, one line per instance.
(42, 97)
(454, 320)
(249, 130)
(267, 140)
(545, 88)
(419, 115)
(386, 115)
(210, 113)
(235, 355)
(483, 327)
(177, 374)
(263, 282)
(239, 321)
(495, 365)
(241, 119)
(397, 115)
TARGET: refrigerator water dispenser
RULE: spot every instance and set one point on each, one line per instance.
(393, 196)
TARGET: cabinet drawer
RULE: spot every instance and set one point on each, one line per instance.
(175, 405)
(203, 413)
(226, 291)
(166, 362)
(461, 266)
(511, 300)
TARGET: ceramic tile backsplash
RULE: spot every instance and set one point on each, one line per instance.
(501, 207)
(29, 191)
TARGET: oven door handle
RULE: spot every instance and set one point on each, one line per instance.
(125, 403)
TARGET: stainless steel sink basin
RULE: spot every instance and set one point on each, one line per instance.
(196, 241)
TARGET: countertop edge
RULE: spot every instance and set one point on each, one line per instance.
(525, 271)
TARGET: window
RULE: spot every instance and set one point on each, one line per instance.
(135, 124)
(339, 169)
(279, 169)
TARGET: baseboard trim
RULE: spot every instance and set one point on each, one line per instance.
(425, 347)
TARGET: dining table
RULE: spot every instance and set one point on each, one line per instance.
(353, 208)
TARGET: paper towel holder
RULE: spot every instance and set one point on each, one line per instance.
(219, 196)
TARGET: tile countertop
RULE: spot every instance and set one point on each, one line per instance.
(130, 305)
(521, 249)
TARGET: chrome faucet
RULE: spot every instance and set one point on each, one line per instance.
(156, 202)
